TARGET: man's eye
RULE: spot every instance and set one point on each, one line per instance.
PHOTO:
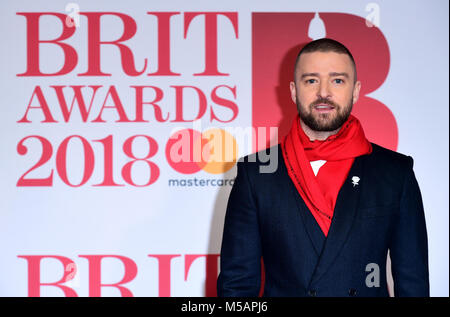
(338, 81)
(310, 81)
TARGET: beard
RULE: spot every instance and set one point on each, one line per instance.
(324, 121)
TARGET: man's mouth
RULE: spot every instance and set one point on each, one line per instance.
(323, 108)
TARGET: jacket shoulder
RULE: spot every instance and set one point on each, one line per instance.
(390, 159)
(263, 161)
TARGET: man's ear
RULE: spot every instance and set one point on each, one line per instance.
(293, 91)
(356, 90)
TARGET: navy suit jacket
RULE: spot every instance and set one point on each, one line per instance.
(267, 218)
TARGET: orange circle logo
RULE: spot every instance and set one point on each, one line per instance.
(215, 151)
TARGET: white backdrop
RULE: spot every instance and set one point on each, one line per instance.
(168, 236)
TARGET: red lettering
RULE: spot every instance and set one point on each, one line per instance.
(163, 44)
(61, 158)
(34, 275)
(179, 103)
(140, 103)
(130, 272)
(117, 105)
(78, 97)
(108, 178)
(164, 272)
(211, 38)
(128, 150)
(42, 105)
(95, 283)
(33, 42)
(94, 43)
(47, 151)
(224, 102)
(212, 262)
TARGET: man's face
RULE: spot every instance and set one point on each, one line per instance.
(324, 89)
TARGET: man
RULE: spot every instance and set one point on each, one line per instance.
(322, 224)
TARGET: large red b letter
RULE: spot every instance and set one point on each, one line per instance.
(33, 42)
(34, 274)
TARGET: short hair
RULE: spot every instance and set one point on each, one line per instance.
(325, 45)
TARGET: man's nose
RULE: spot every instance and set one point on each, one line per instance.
(324, 90)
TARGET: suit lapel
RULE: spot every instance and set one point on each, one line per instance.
(343, 217)
(315, 234)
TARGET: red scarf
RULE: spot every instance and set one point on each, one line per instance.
(339, 150)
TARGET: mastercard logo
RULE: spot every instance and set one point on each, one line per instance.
(214, 151)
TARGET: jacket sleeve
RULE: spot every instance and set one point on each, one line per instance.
(409, 249)
(240, 257)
